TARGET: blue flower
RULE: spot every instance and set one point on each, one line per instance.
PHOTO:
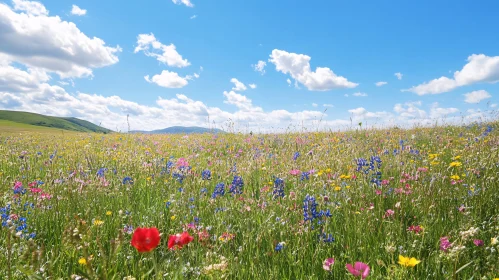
(296, 155)
(279, 246)
(206, 174)
(219, 190)
(278, 188)
(237, 185)
(127, 180)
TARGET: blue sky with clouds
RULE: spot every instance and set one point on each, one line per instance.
(261, 64)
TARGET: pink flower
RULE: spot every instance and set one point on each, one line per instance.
(389, 213)
(327, 264)
(35, 190)
(478, 242)
(182, 162)
(415, 229)
(358, 269)
(445, 243)
(295, 172)
(379, 192)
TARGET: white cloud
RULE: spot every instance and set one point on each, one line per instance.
(493, 105)
(37, 40)
(378, 84)
(30, 7)
(253, 86)
(476, 96)
(360, 94)
(410, 110)
(328, 105)
(78, 11)
(314, 104)
(288, 81)
(298, 66)
(436, 112)
(164, 53)
(168, 79)
(194, 16)
(238, 86)
(260, 66)
(479, 69)
(362, 113)
(399, 75)
(185, 2)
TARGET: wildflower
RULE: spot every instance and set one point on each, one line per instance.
(226, 236)
(408, 262)
(415, 229)
(455, 177)
(145, 239)
(237, 185)
(445, 244)
(296, 155)
(478, 242)
(82, 261)
(358, 269)
(493, 241)
(278, 188)
(206, 174)
(455, 164)
(295, 172)
(177, 241)
(327, 264)
(109, 213)
(173, 218)
(219, 190)
(98, 222)
(279, 246)
(389, 213)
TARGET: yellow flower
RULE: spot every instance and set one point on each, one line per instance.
(328, 170)
(408, 262)
(457, 157)
(337, 188)
(98, 222)
(493, 241)
(173, 218)
(82, 261)
(109, 213)
(455, 164)
(319, 173)
(434, 162)
(455, 177)
(345, 177)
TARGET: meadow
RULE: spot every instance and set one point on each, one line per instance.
(420, 203)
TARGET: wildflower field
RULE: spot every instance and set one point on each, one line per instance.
(421, 203)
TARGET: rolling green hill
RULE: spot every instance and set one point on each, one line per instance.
(72, 124)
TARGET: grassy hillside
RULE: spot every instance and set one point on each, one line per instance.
(38, 120)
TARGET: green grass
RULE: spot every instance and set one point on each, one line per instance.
(422, 188)
(72, 124)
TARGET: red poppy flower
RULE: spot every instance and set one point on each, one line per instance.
(145, 239)
(179, 240)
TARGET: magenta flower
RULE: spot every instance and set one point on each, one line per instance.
(327, 264)
(358, 269)
(445, 244)
(389, 213)
(478, 242)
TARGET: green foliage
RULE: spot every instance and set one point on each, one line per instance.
(72, 124)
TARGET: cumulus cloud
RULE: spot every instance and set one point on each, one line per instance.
(238, 86)
(77, 11)
(436, 112)
(185, 2)
(298, 67)
(476, 96)
(54, 45)
(260, 66)
(479, 69)
(166, 54)
(410, 110)
(168, 79)
(360, 94)
(399, 75)
(379, 84)
(253, 86)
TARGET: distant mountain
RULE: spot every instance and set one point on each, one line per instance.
(72, 124)
(180, 129)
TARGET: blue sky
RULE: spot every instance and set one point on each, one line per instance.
(364, 42)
